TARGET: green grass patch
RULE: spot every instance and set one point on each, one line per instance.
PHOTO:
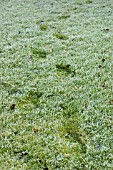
(56, 87)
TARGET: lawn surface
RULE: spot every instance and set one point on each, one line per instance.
(56, 84)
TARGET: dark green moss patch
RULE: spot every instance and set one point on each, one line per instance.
(1, 51)
(64, 67)
(64, 16)
(71, 130)
(60, 36)
(43, 27)
(34, 95)
(89, 2)
(40, 52)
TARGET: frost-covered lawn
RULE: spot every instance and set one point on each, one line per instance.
(56, 59)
